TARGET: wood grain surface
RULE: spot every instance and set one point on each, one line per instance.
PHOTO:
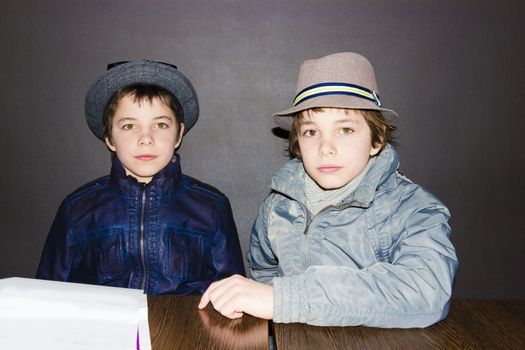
(471, 324)
(176, 323)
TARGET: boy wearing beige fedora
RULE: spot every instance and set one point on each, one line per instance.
(146, 225)
(343, 239)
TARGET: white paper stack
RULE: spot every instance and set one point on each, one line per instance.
(37, 314)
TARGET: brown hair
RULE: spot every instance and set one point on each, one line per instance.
(381, 130)
(140, 93)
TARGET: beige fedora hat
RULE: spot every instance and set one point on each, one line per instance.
(340, 80)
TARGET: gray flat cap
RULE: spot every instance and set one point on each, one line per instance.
(140, 72)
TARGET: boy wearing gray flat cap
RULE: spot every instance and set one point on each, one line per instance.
(343, 239)
(146, 225)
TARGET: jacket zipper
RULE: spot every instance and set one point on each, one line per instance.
(142, 235)
(310, 219)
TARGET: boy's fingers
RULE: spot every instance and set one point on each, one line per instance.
(222, 300)
(235, 315)
(228, 305)
(237, 295)
(205, 299)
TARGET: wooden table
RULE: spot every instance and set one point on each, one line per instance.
(175, 322)
(471, 324)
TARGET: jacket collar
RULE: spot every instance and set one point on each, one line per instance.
(165, 180)
(290, 179)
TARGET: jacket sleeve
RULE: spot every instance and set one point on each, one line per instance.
(261, 258)
(58, 256)
(411, 289)
(226, 250)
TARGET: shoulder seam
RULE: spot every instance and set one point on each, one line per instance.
(197, 186)
(89, 187)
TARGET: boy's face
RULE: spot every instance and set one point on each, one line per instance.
(144, 136)
(335, 146)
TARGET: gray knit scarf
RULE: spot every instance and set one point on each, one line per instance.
(318, 198)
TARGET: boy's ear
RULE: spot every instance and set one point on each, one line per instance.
(181, 132)
(377, 147)
(109, 144)
(375, 150)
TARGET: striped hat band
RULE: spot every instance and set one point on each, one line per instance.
(336, 89)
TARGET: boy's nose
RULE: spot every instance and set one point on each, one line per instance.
(326, 148)
(145, 139)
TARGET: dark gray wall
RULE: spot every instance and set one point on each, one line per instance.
(453, 70)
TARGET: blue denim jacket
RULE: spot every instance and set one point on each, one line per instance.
(380, 258)
(174, 235)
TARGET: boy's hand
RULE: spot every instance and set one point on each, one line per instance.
(236, 295)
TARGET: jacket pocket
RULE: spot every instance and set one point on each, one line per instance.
(184, 254)
(105, 255)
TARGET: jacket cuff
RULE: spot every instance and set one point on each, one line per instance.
(289, 299)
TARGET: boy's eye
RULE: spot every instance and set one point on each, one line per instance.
(127, 127)
(163, 125)
(346, 131)
(309, 132)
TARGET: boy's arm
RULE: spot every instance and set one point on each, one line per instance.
(57, 258)
(263, 262)
(413, 289)
(226, 251)
(236, 295)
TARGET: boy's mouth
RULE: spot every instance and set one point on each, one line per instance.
(328, 168)
(146, 157)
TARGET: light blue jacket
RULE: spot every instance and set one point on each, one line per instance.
(380, 258)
